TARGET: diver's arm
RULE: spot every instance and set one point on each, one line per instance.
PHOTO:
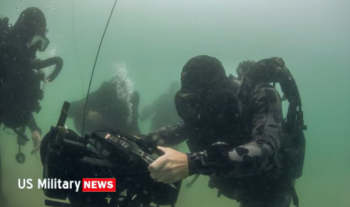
(36, 134)
(33, 126)
(167, 136)
(255, 157)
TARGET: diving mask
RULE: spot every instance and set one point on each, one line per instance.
(43, 42)
(187, 104)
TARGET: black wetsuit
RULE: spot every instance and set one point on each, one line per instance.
(20, 85)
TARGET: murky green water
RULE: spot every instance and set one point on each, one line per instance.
(154, 39)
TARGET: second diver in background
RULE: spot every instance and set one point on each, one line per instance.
(111, 106)
(162, 112)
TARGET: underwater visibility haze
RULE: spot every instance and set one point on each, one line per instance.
(146, 45)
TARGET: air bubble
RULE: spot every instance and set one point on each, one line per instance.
(52, 52)
(124, 87)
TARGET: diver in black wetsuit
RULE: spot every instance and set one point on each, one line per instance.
(110, 106)
(21, 74)
(249, 161)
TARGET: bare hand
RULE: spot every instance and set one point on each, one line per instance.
(36, 141)
(170, 167)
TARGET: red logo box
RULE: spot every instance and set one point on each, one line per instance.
(99, 184)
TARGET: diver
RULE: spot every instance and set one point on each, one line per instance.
(21, 74)
(162, 111)
(235, 134)
(111, 106)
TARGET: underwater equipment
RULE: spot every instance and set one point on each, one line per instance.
(18, 119)
(67, 156)
(21, 140)
(274, 70)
